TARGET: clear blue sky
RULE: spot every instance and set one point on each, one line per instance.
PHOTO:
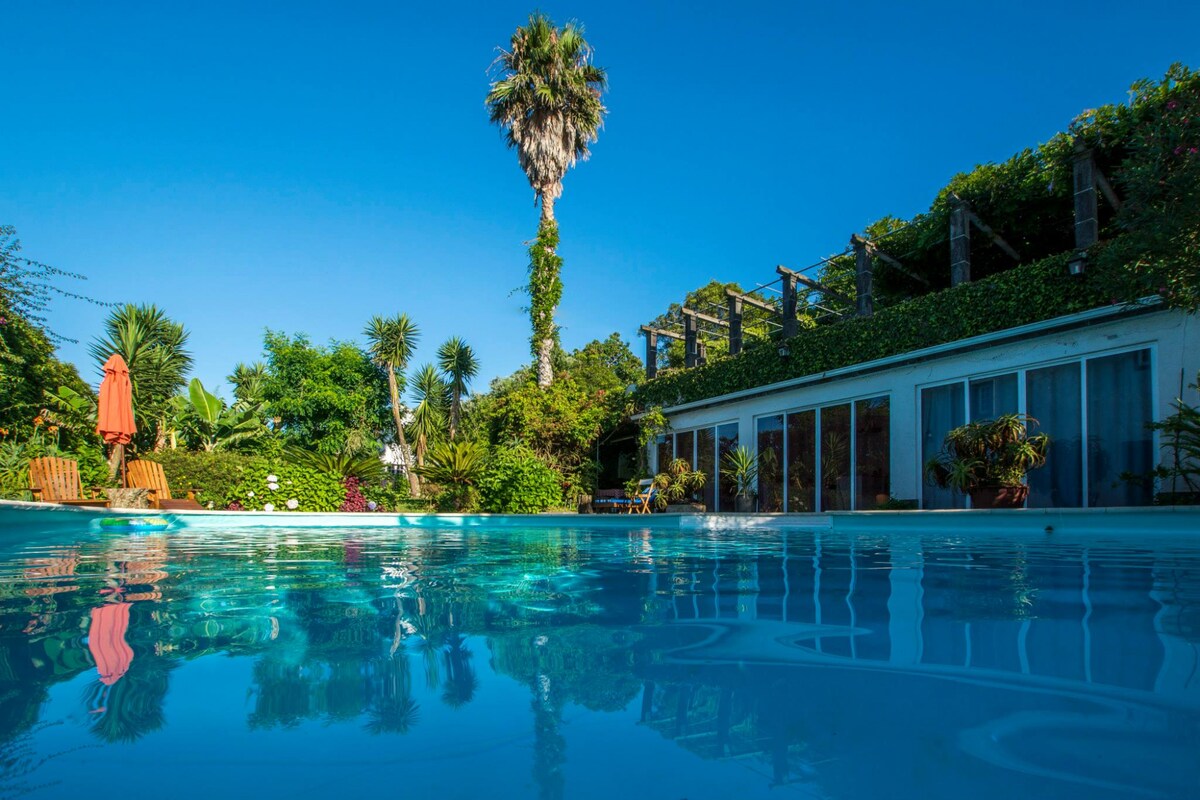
(303, 166)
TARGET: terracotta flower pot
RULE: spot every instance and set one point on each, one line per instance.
(1000, 497)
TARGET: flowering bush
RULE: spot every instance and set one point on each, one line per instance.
(354, 497)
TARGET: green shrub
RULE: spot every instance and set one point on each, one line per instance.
(516, 481)
(222, 478)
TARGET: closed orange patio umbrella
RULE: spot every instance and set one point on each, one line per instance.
(114, 414)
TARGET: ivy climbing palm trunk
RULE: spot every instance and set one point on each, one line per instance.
(414, 485)
(545, 291)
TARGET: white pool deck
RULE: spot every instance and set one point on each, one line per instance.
(21, 516)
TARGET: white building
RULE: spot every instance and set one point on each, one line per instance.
(1092, 380)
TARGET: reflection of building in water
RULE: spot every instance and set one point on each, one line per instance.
(1029, 611)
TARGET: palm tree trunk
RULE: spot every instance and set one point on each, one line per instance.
(414, 486)
(545, 346)
(455, 401)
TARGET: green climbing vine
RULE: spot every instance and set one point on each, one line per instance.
(545, 284)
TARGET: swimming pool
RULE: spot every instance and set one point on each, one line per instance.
(630, 660)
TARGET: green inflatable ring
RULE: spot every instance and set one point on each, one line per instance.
(134, 524)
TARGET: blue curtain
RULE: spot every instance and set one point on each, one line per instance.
(1119, 443)
(942, 410)
(1052, 398)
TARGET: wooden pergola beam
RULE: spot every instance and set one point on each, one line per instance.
(816, 286)
(660, 332)
(752, 301)
(704, 317)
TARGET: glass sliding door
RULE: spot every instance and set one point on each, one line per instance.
(835, 458)
(872, 453)
(770, 463)
(727, 442)
(685, 442)
(664, 450)
(802, 461)
(706, 462)
(1053, 398)
(993, 397)
(1119, 405)
(942, 410)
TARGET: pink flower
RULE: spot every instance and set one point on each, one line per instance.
(1179, 150)
(1193, 150)
(1172, 105)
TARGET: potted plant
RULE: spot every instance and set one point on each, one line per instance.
(988, 460)
(677, 488)
(741, 467)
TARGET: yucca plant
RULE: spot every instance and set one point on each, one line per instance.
(989, 460)
(741, 467)
(456, 467)
(678, 483)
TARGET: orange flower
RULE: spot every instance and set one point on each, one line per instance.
(52, 429)
(38, 421)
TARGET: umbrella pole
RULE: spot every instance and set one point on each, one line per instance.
(116, 463)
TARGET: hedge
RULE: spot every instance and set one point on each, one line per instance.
(1025, 294)
(224, 478)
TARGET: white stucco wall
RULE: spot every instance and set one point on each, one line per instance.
(1173, 337)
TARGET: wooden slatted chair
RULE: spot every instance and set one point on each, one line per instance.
(643, 498)
(56, 480)
(149, 475)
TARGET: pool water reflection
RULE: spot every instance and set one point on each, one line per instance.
(598, 664)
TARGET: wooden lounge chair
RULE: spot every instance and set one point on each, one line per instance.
(643, 498)
(56, 480)
(150, 475)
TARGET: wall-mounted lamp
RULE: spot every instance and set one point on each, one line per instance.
(784, 350)
(1078, 263)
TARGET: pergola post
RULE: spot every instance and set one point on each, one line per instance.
(651, 353)
(735, 324)
(701, 353)
(691, 329)
(1087, 227)
(960, 244)
(790, 324)
(864, 277)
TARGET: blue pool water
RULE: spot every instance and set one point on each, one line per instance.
(576, 663)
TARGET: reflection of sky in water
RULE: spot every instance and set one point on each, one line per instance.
(577, 664)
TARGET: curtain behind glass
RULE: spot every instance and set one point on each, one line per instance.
(993, 397)
(770, 463)
(1052, 398)
(872, 452)
(942, 410)
(802, 461)
(1118, 408)
(727, 442)
(835, 458)
(706, 462)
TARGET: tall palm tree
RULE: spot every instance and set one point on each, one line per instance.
(546, 99)
(459, 365)
(428, 420)
(391, 343)
(155, 350)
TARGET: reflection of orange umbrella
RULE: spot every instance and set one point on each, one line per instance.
(106, 641)
(114, 414)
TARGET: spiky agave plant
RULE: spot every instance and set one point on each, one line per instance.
(678, 483)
